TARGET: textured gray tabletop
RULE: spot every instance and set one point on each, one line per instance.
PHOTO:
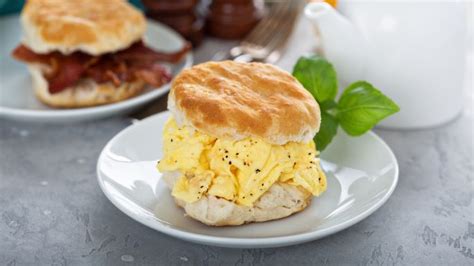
(52, 211)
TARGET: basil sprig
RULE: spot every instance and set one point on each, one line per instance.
(360, 107)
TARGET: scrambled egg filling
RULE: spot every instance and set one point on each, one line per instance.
(239, 171)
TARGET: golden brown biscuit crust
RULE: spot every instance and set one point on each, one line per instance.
(90, 26)
(236, 100)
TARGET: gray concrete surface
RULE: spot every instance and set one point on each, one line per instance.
(52, 211)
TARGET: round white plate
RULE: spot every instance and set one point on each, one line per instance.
(362, 174)
(18, 102)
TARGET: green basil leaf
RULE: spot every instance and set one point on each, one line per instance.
(318, 76)
(328, 105)
(362, 106)
(326, 132)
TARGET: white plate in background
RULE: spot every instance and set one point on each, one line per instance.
(362, 174)
(18, 102)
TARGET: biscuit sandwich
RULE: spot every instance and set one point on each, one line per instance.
(88, 52)
(239, 147)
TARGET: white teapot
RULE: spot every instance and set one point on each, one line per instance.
(415, 52)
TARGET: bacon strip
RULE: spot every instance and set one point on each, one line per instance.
(137, 62)
(139, 52)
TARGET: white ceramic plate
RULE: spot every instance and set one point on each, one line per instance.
(362, 174)
(16, 94)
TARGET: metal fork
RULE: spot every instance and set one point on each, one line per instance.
(267, 40)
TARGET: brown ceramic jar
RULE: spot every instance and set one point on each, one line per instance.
(233, 19)
(179, 15)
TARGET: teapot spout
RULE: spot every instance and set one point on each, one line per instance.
(340, 41)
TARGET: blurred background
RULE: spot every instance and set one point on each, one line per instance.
(426, 45)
